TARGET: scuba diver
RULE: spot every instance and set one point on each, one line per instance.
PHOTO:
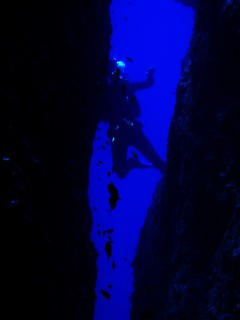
(122, 111)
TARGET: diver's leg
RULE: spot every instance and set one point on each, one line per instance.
(119, 154)
(122, 165)
(144, 146)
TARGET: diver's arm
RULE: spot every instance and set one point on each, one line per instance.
(149, 82)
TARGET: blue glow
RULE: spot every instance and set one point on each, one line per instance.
(121, 64)
(145, 33)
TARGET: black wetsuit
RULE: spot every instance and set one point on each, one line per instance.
(124, 129)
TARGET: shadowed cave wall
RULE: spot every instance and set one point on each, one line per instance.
(53, 53)
(188, 260)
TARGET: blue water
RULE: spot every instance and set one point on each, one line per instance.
(152, 33)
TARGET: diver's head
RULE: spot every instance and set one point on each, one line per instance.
(116, 69)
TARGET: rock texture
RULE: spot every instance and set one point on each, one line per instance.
(188, 260)
(53, 57)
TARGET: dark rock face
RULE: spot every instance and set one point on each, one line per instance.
(188, 261)
(53, 56)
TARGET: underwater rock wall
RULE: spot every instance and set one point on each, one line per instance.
(53, 54)
(188, 260)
